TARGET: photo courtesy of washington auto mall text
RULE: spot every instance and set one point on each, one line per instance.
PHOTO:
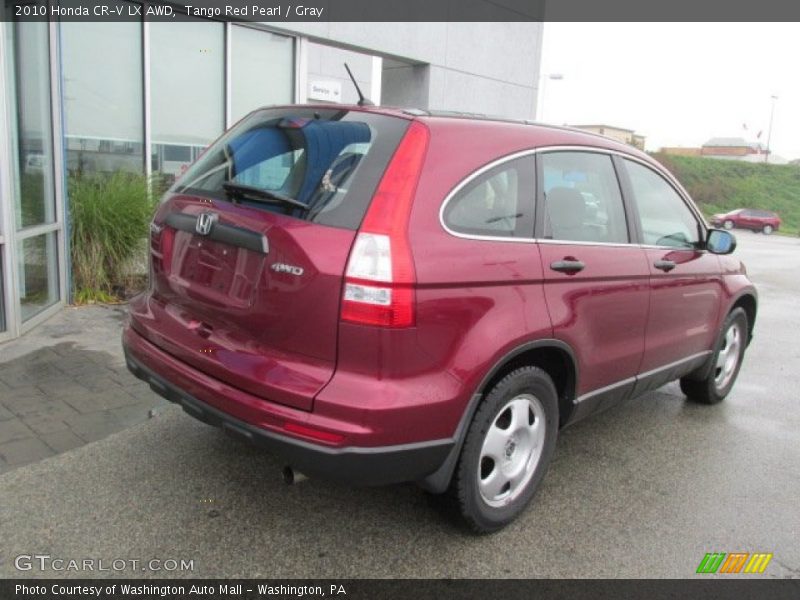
(198, 590)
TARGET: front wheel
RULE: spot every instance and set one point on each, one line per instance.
(728, 224)
(767, 229)
(508, 447)
(727, 361)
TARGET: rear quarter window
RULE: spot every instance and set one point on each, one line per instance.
(498, 202)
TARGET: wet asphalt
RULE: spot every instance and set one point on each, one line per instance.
(642, 490)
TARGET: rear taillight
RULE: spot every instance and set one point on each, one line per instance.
(373, 292)
(380, 277)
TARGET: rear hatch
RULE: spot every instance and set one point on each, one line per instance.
(249, 248)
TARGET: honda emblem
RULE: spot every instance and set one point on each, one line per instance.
(205, 221)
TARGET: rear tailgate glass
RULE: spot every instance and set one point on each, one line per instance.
(327, 160)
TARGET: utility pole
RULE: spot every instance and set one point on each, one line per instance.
(769, 131)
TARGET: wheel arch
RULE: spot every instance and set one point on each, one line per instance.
(555, 357)
(748, 302)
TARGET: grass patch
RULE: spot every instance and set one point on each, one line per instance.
(724, 185)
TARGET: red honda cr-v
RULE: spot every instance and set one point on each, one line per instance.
(381, 295)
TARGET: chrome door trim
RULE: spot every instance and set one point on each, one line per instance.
(672, 364)
(640, 376)
(605, 389)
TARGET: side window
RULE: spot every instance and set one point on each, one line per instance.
(665, 218)
(497, 203)
(582, 199)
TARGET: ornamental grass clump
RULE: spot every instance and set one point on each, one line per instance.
(109, 217)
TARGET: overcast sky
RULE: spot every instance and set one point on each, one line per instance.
(678, 84)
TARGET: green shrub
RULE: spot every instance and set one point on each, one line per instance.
(109, 217)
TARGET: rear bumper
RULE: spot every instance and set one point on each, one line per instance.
(380, 465)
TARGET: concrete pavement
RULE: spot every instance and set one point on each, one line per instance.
(65, 384)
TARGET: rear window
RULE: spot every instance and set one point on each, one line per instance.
(319, 165)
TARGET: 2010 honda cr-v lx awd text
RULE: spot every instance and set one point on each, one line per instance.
(380, 296)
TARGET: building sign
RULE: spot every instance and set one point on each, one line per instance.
(327, 91)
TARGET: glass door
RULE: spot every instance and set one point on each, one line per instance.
(34, 206)
(6, 190)
(31, 233)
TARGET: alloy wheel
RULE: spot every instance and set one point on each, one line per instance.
(728, 357)
(511, 450)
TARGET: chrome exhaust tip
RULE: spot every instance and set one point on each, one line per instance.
(292, 477)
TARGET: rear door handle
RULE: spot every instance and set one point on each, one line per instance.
(665, 265)
(568, 265)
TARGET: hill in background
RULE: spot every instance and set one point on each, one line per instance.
(723, 185)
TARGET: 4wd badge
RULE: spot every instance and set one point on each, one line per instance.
(284, 268)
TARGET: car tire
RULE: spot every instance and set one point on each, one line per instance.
(725, 365)
(767, 230)
(508, 447)
(728, 224)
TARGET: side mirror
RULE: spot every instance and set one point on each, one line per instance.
(720, 241)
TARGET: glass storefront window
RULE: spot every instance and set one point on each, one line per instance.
(187, 66)
(103, 98)
(35, 201)
(38, 274)
(262, 70)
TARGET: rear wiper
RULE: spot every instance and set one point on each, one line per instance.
(239, 190)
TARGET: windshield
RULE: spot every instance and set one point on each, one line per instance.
(326, 162)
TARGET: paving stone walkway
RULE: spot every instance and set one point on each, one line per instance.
(65, 384)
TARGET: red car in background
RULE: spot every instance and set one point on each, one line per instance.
(765, 221)
(383, 295)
